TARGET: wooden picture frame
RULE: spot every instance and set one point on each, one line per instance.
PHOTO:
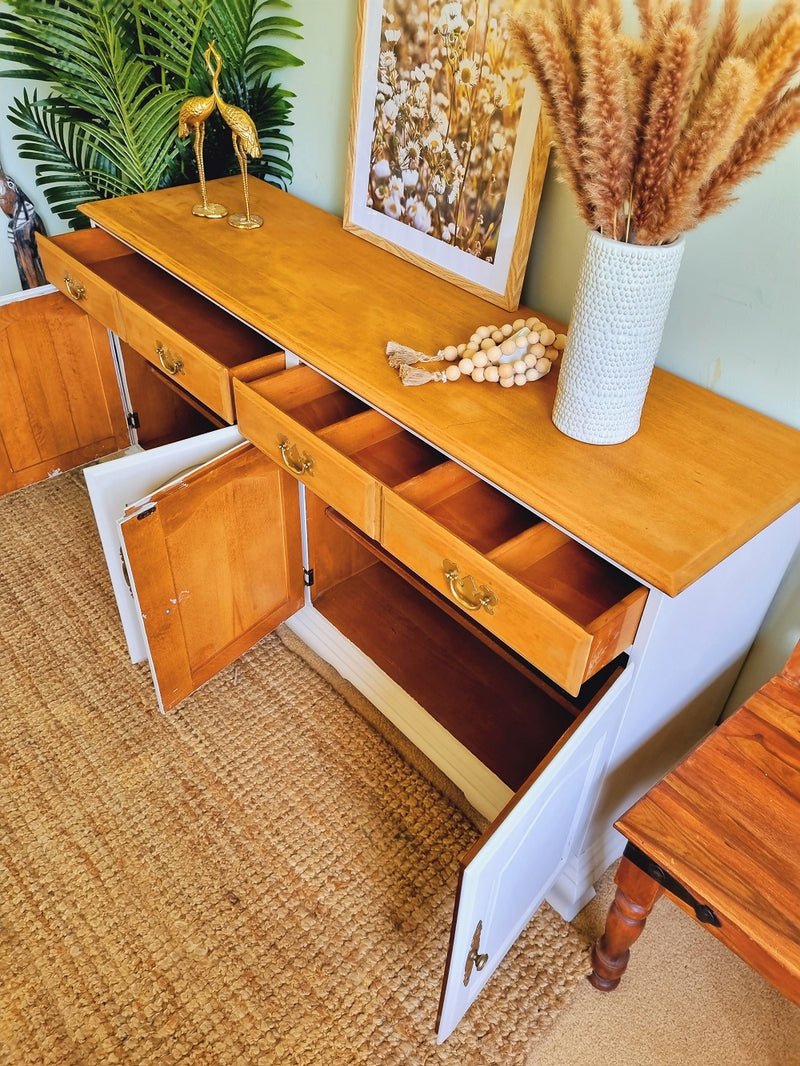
(448, 144)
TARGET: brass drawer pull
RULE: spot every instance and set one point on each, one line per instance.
(171, 362)
(74, 288)
(299, 463)
(466, 592)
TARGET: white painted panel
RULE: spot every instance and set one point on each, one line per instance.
(684, 662)
(521, 854)
(687, 655)
(116, 484)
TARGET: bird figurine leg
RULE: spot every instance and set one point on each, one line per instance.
(205, 209)
(245, 139)
(192, 118)
(247, 220)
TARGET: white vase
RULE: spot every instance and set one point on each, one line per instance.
(621, 305)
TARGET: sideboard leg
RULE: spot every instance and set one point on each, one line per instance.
(634, 900)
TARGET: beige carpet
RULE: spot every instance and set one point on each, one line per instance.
(258, 878)
(685, 1000)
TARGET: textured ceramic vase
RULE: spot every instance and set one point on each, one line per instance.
(621, 305)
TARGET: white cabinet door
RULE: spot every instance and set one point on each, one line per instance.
(506, 875)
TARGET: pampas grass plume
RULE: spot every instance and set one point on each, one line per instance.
(654, 134)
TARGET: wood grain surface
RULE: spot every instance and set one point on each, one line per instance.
(702, 476)
(726, 823)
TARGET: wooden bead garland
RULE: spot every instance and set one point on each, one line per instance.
(511, 354)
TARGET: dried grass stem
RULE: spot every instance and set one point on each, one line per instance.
(653, 134)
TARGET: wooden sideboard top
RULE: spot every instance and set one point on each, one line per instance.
(702, 476)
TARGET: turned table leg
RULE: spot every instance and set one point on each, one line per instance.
(634, 900)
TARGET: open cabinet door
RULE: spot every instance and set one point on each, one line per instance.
(60, 404)
(112, 485)
(506, 875)
(214, 560)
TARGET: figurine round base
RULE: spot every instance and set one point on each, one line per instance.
(246, 221)
(209, 210)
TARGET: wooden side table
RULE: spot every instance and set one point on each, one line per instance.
(720, 835)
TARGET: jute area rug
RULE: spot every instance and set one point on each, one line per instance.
(257, 878)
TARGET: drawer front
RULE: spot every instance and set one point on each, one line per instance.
(551, 641)
(190, 367)
(322, 468)
(80, 284)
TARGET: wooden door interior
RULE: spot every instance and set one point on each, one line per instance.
(214, 559)
(60, 404)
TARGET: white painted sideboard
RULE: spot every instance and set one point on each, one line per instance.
(628, 582)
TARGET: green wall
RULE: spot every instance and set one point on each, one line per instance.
(734, 324)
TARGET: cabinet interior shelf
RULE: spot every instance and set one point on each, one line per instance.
(492, 701)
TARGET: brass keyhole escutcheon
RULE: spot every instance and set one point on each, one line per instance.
(476, 959)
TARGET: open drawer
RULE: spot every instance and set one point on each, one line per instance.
(194, 342)
(566, 610)
(75, 263)
(342, 449)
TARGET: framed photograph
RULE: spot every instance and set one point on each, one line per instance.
(448, 146)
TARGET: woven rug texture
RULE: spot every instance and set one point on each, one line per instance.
(257, 878)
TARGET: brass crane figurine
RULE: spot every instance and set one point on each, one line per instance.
(245, 142)
(193, 115)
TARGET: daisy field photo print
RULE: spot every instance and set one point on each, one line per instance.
(447, 147)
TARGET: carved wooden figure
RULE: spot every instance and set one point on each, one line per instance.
(23, 225)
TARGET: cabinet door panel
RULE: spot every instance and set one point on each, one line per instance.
(113, 485)
(60, 404)
(505, 877)
(215, 562)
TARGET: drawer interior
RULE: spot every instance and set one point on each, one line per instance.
(493, 702)
(187, 312)
(537, 555)
(309, 399)
(469, 508)
(376, 444)
(382, 448)
(94, 248)
(565, 573)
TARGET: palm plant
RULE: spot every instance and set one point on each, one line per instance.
(117, 72)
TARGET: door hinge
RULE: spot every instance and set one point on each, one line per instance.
(125, 574)
(146, 512)
(703, 912)
(133, 420)
(476, 959)
(308, 576)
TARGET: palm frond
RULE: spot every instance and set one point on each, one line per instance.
(173, 35)
(64, 161)
(118, 71)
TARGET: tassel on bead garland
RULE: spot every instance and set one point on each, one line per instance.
(401, 355)
(512, 354)
(412, 375)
